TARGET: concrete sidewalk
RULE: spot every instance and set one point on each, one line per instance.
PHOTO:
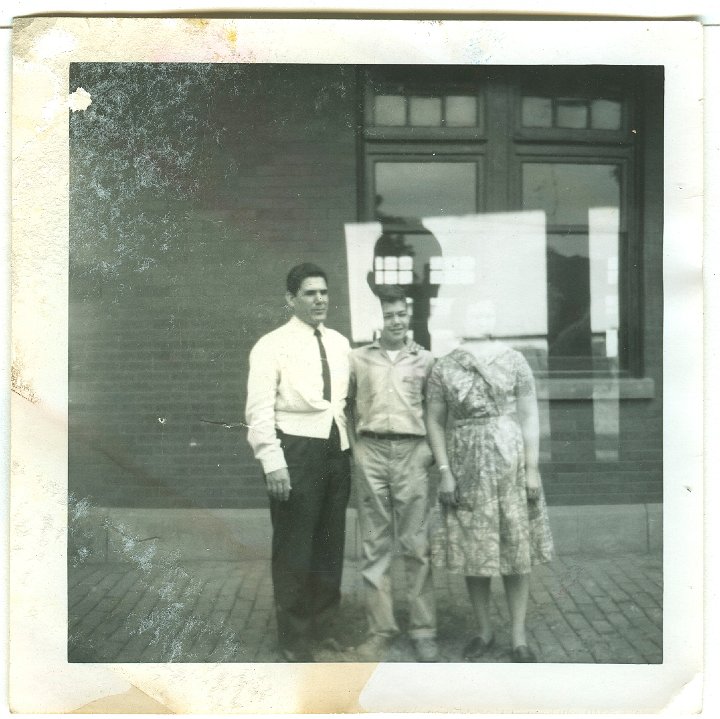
(582, 609)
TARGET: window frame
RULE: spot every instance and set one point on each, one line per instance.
(630, 271)
(425, 153)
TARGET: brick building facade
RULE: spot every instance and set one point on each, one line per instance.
(194, 188)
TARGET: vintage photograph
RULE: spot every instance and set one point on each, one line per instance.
(481, 250)
(356, 366)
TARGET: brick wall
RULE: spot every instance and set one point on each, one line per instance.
(172, 283)
(577, 475)
(193, 190)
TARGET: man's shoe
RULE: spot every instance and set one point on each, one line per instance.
(426, 649)
(373, 649)
(297, 654)
(328, 650)
(330, 644)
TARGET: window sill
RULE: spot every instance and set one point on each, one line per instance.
(572, 388)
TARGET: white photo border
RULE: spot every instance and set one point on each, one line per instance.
(41, 679)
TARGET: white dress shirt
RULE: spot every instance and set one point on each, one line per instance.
(285, 389)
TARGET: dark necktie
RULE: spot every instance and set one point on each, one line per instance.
(325, 367)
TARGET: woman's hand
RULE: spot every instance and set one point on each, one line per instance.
(532, 483)
(447, 490)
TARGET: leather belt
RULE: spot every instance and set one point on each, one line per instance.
(390, 436)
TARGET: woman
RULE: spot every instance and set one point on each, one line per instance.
(482, 423)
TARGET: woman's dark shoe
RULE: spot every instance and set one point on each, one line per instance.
(523, 654)
(477, 647)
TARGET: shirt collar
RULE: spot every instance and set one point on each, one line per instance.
(410, 346)
(301, 326)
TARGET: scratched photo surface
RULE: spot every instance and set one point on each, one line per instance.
(195, 187)
(543, 178)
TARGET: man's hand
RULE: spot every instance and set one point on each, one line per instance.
(278, 484)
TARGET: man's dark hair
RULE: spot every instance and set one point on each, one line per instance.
(387, 294)
(301, 272)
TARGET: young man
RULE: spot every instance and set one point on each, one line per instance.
(295, 411)
(391, 456)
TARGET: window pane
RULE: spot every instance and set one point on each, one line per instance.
(568, 277)
(606, 115)
(567, 191)
(572, 114)
(425, 189)
(425, 111)
(583, 302)
(390, 110)
(460, 111)
(582, 260)
(537, 112)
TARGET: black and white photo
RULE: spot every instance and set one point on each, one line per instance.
(367, 355)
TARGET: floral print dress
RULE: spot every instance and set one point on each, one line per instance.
(494, 530)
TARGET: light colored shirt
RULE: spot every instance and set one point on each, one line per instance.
(389, 393)
(285, 389)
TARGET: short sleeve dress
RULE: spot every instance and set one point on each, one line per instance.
(494, 530)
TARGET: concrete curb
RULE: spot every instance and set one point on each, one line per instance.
(107, 534)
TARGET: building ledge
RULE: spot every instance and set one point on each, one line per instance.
(574, 388)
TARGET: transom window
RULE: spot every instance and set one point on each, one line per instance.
(447, 110)
(571, 113)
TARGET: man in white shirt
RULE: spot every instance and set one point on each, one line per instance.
(297, 389)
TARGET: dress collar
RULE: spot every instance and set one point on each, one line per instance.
(466, 359)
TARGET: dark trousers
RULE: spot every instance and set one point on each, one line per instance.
(309, 535)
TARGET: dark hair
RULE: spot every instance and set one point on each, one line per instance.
(301, 272)
(387, 294)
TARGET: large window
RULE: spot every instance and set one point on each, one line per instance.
(513, 186)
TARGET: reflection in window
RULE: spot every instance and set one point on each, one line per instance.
(567, 191)
(458, 270)
(406, 192)
(425, 189)
(582, 206)
(581, 203)
(392, 270)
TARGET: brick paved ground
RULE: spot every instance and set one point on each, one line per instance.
(583, 609)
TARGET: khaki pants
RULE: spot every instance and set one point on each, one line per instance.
(393, 506)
